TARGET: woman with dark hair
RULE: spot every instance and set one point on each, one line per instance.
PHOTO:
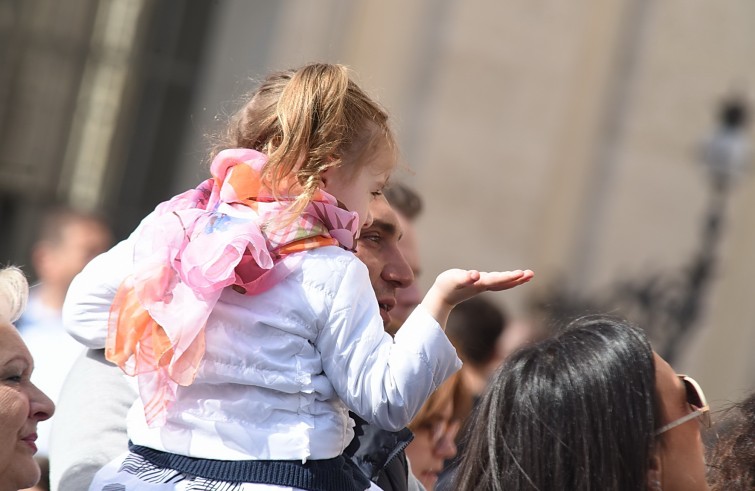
(589, 408)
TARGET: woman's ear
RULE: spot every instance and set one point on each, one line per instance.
(655, 471)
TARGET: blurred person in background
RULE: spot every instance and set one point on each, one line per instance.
(592, 407)
(476, 329)
(66, 241)
(22, 404)
(731, 465)
(408, 205)
(435, 428)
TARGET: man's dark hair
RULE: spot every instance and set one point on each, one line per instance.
(56, 218)
(474, 327)
(574, 411)
(404, 200)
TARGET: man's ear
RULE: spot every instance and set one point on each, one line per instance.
(655, 471)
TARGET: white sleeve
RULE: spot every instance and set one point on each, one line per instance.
(382, 379)
(87, 305)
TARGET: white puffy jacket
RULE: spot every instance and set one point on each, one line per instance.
(282, 368)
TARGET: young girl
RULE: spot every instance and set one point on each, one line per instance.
(249, 325)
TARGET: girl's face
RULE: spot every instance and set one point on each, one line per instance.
(22, 406)
(356, 189)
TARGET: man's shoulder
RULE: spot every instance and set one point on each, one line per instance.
(379, 454)
(395, 475)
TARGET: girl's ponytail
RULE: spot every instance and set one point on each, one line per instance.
(313, 125)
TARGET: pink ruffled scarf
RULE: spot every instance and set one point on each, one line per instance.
(193, 247)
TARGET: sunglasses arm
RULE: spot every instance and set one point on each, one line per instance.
(694, 414)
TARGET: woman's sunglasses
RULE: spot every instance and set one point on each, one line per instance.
(696, 399)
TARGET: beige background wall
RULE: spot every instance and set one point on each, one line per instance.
(560, 136)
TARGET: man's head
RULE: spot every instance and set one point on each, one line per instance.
(475, 328)
(378, 249)
(408, 206)
(66, 242)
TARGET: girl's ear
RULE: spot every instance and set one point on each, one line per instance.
(324, 176)
(328, 172)
(655, 471)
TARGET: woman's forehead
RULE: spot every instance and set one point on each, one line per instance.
(668, 386)
(11, 344)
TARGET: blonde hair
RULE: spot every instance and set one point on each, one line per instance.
(14, 292)
(306, 121)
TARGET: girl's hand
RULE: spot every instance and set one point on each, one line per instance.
(456, 285)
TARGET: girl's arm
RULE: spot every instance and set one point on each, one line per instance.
(87, 305)
(456, 285)
(386, 380)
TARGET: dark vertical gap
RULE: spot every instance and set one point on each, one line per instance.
(167, 73)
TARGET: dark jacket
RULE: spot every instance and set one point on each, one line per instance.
(380, 454)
